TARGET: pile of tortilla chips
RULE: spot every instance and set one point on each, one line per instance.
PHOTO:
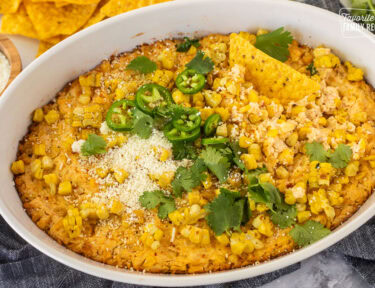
(51, 21)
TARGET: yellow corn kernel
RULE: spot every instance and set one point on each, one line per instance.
(212, 98)
(87, 80)
(354, 74)
(286, 157)
(176, 217)
(194, 197)
(192, 50)
(165, 179)
(351, 138)
(334, 198)
(179, 97)
(303, 132)
(301, 207)
(266, 228)
(47, 162)
(116, 207)
(51, 178)
(206, 112)
(151, 228)
(372, 164)
(120, 175)
(207, 183)
(359, 117)
(253, 96)
(303, 216)
(195, 235)
(52, 116)
(167, 58)
(249, 161)
(38, 115)
(265, 177)
(292, 139)
(261, 207)
(237, 247)
(340, 135)
(322, 121)
(223, 112)
(222, 130)
(198, 99)
(218, 52)
(65, 188)
(289, 197)
(352, 169)
(165, 154)
(252, 205)
(205, 237)
(155, 245)
(262, 31)
(102, 212)
(163, 77)
(36, 169)
(101, 172)
(73, 222)
(158, 234)
(18, 167)
(244, 141)
(298, 109)
(223, 239)
(255, 150)
(84, 99)
(326, 61)
(39, 149)
(195, 210)
(282, 173)
(272, 132)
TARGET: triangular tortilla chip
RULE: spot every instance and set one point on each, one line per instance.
(269, 76)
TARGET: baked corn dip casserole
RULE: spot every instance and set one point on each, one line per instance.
(200, 155)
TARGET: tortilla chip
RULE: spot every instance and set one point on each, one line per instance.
(18, 23)
(116, 7)
(50, 21)
(269, 76)
(97, 16)
(9, 6)
(43, 47)
(61, 4)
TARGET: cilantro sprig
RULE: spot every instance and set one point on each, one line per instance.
(157, 198)
(188, 178)
(216, 162)
(284, 216)
(227, 211)
(186, 44)
(143, 124)
(308, 233)
(142, 64)
(182, 150)
(201, 63)
(93, 145)
(275, 43)
(339, 158)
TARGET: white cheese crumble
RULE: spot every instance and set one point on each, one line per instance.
(140, 159)
(77, 145)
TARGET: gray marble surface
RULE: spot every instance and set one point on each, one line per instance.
(325, 270)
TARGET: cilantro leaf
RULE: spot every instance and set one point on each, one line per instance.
(225, 212)
(341, 157)
(152, 199)
(185, 46)
(237, 151)
(182, 150)
(316, 152)
(275, 43)
(284, 217)
(265, 193)
(200, 63)
(93, 145)
(142, 64)
(312, 69)
(308, 233)
(143, 124)
(188, 178)
(216, 162)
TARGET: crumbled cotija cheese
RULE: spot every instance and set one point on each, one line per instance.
(139, 158)
(4, 71)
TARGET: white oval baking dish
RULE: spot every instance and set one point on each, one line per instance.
(40, 81)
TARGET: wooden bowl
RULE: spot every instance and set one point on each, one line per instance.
(10, 51)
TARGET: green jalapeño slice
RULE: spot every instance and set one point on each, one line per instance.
(151, 96)
(190, 81)
(175, 135)
(119, 116)
(211, 124)
(187, 121)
